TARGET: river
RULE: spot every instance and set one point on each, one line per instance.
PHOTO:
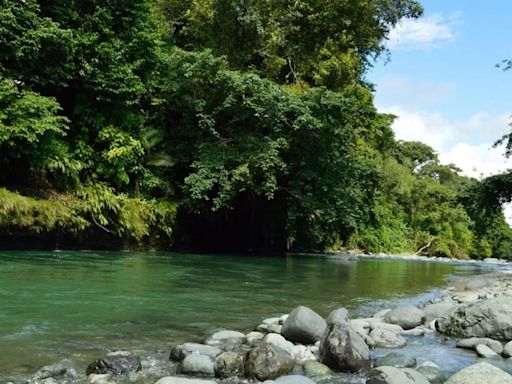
(81, 304)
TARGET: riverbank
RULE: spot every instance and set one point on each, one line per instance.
(382, 334)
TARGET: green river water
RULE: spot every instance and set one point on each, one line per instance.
(81, 304)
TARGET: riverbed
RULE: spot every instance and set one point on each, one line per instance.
(79, 305)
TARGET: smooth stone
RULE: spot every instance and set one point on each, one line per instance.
(267, 362)
(413, 332)
(103, 378)
(381, 314)
(339, 315)
(254, 336)
(438, 310)
(480, 373)
(196, 364)
(226, 336)
(406, 317)
(229, 364)
(279, 341)
(116, 363)
(484, 351)
(179, 352)
(271, 320)
(387, 339)
(312, 368)
(303, 325)
(432, 372)
(301, 353)
(466, 297)
(472, 342)
(343, 349)
(507, 349)
(388, 327)
(488, 318)
(397, 360)
(183, 380)
(294, 379)
(476, 283)
(62, 368)
(392, 375)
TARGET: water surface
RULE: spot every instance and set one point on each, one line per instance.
(82, 304)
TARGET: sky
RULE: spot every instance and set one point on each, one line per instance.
(442, 82)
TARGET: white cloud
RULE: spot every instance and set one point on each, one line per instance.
(423, 33)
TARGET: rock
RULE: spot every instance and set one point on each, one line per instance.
(396, 360)
(488, 318)
(229, 364)
(480, 373)
(507, 349)
(339, 315)
(381, 314)
(406, 317)
(466, 297)
(387, 339)
(343, 349)
(222, 337)
(272, 320)
(301, 353)
(182, 380)
(303, 325)
(484, 351)
(254, 336)
(432, 372)
(267, 362)
(472, 342)
(388, 327)
(294, 379)
(279, 341)
(116, 363)
(392, 375)
(438, 310)
(312, 368)
(181, 351)
(63, 368)
(197, 364)
(418, 331)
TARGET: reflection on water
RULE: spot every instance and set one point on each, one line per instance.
(81, 304)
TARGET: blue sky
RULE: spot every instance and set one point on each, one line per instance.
(443, 84)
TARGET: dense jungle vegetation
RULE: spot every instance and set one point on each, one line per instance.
(220, 125)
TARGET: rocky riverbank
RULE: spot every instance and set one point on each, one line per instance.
(303, 348)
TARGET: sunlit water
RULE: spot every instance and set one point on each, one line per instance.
(82, 304)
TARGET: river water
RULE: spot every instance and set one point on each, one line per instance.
(79, 305)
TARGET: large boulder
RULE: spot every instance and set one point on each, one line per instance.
(303, 325)
(392, 375)
(438, 310)
(339, 315)
(343, 349)
(472, 342)
(267, 362)
(387, 339)
(116, 363)
(406, 317)
(480, 373)
(229, 364)
(196, 364)
(179, 352)
(488, 318)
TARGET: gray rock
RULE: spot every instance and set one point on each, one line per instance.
(63, 368)
(396, 360)
(267, 362)
(337, 316)
(100, 379)
(229, 364)
(182, 380)
(381, 314)
(392, 375)
(418, 331)
(179, 352)
(476, 283)
(294, 379)
(301, 353)
(196, 364)
(488, 318)
(406, 317)
(343, 349)
(438, 310)
(484, 351)
(279, 341)
(222, 337)
(387, 339)
(480, 373)
(312, 368)
(254, 336)
(507, 349)
(303, 325)
(432, 372)
(116, 363)
(472, 342)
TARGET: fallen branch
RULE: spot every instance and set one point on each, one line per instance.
(99, 225)
(425, 246)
